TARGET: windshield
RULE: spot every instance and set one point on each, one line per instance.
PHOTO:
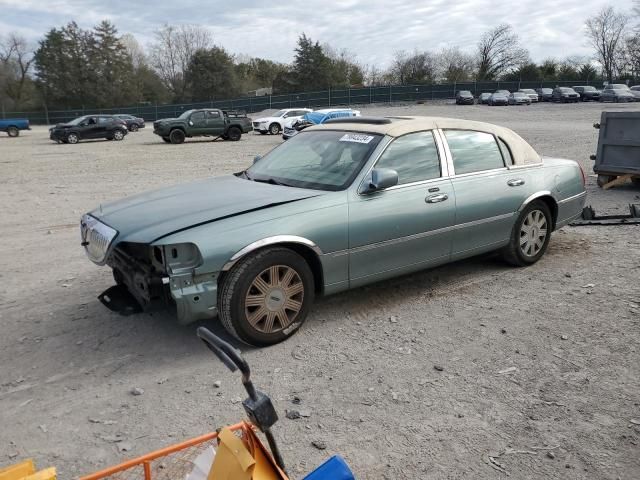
(186, 114)
(77, 121)
(619, 86)
(321, 160)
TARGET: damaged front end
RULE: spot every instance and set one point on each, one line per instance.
(151, 277)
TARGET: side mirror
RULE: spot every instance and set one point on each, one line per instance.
(382, 178)
(256, 159)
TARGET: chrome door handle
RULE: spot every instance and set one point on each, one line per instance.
(515, 182)
(440, 197)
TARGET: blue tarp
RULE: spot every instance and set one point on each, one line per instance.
(318, 117)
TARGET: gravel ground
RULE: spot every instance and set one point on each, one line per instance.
(403, 378)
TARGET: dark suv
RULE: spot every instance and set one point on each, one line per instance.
(565, 95)
(545, 94)
(133, 123)
(87, 127)
(464, 97)
(587, 93)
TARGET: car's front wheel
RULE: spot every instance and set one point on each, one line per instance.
(73, 138)
(13, 131)
(118, 135)
(530, 235)
(274, 129)
(133, 127)
(266, 296)
(176, 136)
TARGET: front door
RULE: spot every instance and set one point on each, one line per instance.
(488, 194)
(197, 123)
(406, 227)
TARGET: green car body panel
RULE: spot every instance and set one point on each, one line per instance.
(349, 237)
(207, 122)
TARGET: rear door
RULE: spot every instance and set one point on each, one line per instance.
(488, 194)
(406, 227)
(215, 122)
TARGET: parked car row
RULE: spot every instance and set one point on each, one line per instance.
(615, 92)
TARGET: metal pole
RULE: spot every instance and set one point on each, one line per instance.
(370, 97)
(329, 96)
(390, 100)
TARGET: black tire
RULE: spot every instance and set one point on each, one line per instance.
(602, 180)
(13, 131)
(166, 139)
(72, 138)
(176, 136)
(522, 255)
(239, 282)
(134, 127)
(118, 135)
(274, 129)
(234, 134)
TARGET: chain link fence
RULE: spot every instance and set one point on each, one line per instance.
(319, 99)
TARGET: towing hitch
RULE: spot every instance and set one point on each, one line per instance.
(589, 217)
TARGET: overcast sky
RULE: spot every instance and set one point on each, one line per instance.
(371, 29)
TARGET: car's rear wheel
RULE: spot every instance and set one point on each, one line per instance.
(176, 136)
(266, 296)
(118, 135)
(72, 138)
(133, 127)
(234, 134)
(274, 129)
(530, 235)
(13, 131)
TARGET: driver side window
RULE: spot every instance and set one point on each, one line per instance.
(414, 156)
(197, 117)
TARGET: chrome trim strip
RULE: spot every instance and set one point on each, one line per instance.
(417, 236)
(481, 173)
(574, 197)
(532, 197)
(447, 153)
(270, 241)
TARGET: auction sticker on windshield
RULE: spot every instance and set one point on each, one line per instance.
(357, 138)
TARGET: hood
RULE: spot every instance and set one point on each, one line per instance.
(150, 216)
(267, 119)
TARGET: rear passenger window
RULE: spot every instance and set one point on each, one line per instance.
(413, 156)
(506, 152)
(473, 151)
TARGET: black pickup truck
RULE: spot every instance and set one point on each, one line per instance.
(205, 122)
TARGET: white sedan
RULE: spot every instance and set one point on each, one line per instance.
(275, 123)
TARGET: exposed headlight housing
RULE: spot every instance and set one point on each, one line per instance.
(96, 238)
(181, 257)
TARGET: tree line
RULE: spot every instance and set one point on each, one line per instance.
(72, 67)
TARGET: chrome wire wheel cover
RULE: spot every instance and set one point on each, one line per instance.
(533, 233)
(274, 299)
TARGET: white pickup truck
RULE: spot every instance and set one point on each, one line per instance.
(274, 124)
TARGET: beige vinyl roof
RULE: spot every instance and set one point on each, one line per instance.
(522, 152)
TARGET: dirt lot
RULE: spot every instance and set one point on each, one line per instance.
(567, 328)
